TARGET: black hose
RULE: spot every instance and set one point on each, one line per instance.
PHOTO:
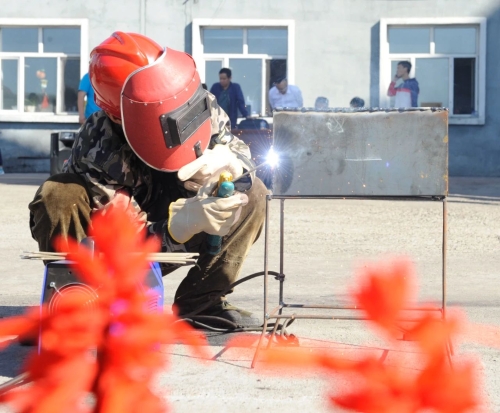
(197, 320)
(222, 293)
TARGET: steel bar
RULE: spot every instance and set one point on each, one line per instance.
(17, 381)
(251, 170)
(444, 247)
(332, 307)
(357, 197)
(172, 257)
(273, 333)
(266, 277)
(282, 250)
(295, 316)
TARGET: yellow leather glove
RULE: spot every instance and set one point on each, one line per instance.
(204, 213)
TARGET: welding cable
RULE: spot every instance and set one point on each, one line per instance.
(196, 319)
(222, 293)
(284, 335)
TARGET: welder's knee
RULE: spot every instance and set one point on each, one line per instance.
(256, 206)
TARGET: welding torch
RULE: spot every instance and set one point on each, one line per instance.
(225, 188)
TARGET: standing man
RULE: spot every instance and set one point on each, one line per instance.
(284, 95)
(405, 89)
(85, 90)
(229, 96)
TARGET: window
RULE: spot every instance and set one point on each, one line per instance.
(448, 60)
(40, 67)
(257, 52)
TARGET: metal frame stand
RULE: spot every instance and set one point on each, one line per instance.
(278, 313)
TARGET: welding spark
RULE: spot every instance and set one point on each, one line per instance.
(272, 158)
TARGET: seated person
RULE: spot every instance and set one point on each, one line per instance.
(125, 153)
(357, 103)
(321, 103)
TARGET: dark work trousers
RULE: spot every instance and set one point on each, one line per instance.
(62, 206)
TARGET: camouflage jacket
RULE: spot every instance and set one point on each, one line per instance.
(102, 156)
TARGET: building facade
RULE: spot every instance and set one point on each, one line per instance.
(332, 48)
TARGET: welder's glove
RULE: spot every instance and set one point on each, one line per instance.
(204, 213)
(122, 200)
(207, 168)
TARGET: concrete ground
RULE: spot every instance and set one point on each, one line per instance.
(325, 242)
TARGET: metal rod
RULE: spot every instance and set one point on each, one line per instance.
(17, 381)
(449, 346)
(335, 307)
(169, 257)
(266, 276)
(282, 250)
(317, 317)
(367, 197)
(329, 317)
(273, 334)
(250, 171)
(266, 255)
(445, 231)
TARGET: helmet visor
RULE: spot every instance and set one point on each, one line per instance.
(179, 125)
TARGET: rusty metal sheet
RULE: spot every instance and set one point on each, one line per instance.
(369, 152)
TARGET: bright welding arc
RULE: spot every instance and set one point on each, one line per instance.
(272, 159)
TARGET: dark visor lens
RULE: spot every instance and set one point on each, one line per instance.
(178, 126)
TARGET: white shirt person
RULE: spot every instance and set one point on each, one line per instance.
(284, 95)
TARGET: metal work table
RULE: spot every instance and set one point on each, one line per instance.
(399, 155)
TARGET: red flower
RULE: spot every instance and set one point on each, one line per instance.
(434, 334)
(378, 387)
(384, 292)
(123, 334)
(447, 390)
(67, 335)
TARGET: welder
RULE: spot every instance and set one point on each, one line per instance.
(159, 144)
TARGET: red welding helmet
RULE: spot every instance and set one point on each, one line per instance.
(164, 110)
(113, 61)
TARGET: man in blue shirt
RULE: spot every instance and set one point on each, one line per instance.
(229, 96)
(85, 89)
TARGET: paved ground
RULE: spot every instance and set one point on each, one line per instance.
(325, 241)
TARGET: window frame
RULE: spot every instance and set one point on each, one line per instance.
(200, 57)
(45, 117)
(480, 81)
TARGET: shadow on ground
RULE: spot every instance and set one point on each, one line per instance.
(475, 188)
(13, 357)
(23, 179)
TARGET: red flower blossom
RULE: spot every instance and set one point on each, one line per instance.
(447, 390)
(124, 336)
(379, 387)
(433, 333)
(384, 293)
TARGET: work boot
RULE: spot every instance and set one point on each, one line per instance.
(228, 312)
